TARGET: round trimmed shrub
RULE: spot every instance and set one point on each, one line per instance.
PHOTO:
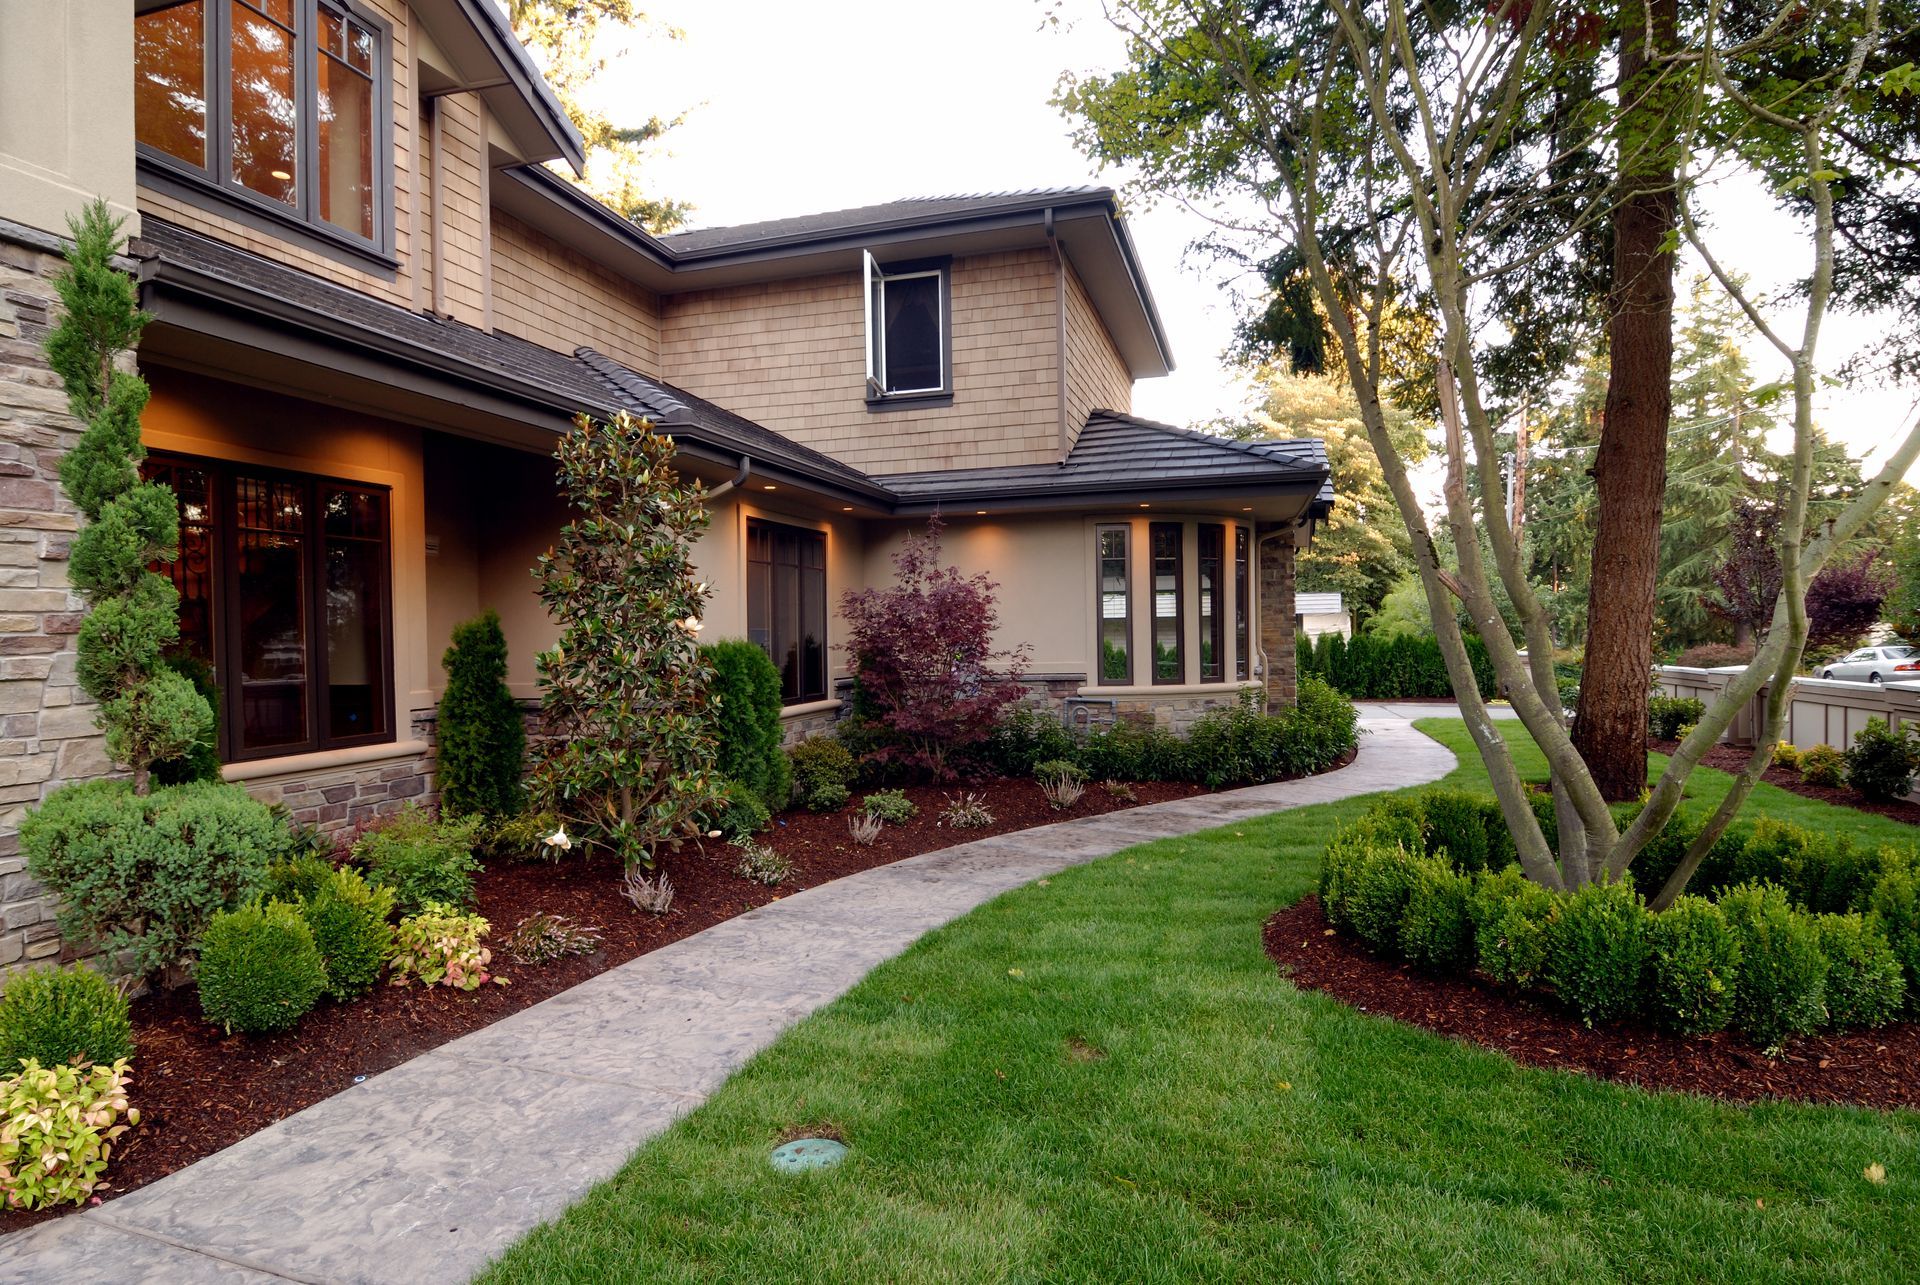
(1456, 828)
(296, 877)
(1378, 890)
(1882, 759)
(259, 969)
(1865, 984)
(1822, 765)
(1437, 930)
(1894, 908)
(145, 874)
(1512, 916)
(746, 721)
(1693, 967)
(1597, 951)
(1783, 975)
(823, 773)
(59, 1015)
(348, 919)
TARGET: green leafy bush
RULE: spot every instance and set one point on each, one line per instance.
(1133, 751)
(143, 874)
(746, 689)
(1894, 907)
(1024, 737)
(1882, 760)
(1378, 888)
(1823, 765)
(1865, 983)
(891, 806)
(422, 859)
(1597, 951)
(1460, 824)
(441, 946)
(1437, 930)
(62, 1122)
(480, 738)
(348, 919)
(1693, 967)
(1512, 918)
(522, 837)
(1056, 769)
(293, 877)
(1782, 990)
(823, 773)
(1666, 715)
(259, 969)
(54, 1016)
(737, 812)
(1786, 754)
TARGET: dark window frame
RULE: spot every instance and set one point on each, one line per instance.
(1210, 540)
(1179, 532)
(212, 187)
(225, 623)
(1125, 531)
(803, 691)
(878, 398)
(1242, 603)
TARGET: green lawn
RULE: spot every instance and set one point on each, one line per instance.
(1105, 1079)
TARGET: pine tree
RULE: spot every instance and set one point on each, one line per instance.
(148, 710)
(628, 755)
(481, 743)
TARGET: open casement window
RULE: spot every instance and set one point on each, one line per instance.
(1113, 604)
(1169, 629)
(285, 593)
(787, 605)
(280, 107)
(1242, 604)
(1212, 603)
(909, 331)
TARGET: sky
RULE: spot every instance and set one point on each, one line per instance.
(794, 109)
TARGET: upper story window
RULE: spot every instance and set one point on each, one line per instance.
(279, 104)
(909, 331)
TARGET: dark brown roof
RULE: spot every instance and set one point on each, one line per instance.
(1124, 453)
(911, 212)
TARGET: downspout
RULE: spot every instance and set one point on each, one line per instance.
(738, 479)
(1060, 334)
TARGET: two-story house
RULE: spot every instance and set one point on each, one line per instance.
(374, 308)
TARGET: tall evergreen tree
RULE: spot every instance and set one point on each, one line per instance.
(481, 742)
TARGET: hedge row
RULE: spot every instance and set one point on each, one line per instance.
(1806, 932)
(1369, 668)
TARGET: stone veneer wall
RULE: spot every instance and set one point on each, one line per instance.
(1276, 620)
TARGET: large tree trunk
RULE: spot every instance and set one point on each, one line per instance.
(1630, 468)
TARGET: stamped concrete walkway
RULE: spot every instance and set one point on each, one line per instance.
(428, 1171)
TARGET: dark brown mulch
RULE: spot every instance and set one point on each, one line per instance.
(199, 1091)
(1877, 1068)
(1729, 759)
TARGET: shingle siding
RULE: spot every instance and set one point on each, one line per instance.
(555, 296)
(1098, 378)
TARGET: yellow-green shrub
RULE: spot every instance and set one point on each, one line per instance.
(441, 946)
(57, 1015)
(61, 1123)
(1822, 765)
(1865, 984)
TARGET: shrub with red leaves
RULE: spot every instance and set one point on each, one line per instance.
(930, 681)
(1843, 602)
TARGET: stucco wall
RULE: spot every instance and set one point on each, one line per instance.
(66, 110)
(791, 354)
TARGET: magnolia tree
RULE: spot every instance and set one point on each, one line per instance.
(149, 712)
(627, 751)
(1412, 159)
(923, 654)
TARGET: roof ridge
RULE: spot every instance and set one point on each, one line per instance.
(1082, 189)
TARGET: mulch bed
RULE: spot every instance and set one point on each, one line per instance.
(1878, 1068)
(1729, 759)
(199, 1091)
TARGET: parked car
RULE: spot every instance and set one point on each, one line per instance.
(1894, 663)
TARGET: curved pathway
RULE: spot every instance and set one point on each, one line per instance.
(427, 1171)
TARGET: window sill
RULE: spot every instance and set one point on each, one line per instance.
(810, 707)
(1170, 689)
(322, 760)
(202, 193)
(909, 401)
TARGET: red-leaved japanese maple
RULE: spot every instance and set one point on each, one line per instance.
(922, 652)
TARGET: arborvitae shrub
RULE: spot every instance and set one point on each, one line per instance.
(1783, 973)
(481, 740)
(259, 969)
(1865, 983)
(60, 1015)
(1693, 967)
(1597, 951)
(746, 689)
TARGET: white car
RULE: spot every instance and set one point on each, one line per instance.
(1896, 663)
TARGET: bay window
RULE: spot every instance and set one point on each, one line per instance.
(1169, 629)
(787, 605)
(279, 105)
(284, 593)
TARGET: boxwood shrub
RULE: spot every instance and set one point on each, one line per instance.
(1783, 975)
(1693, 967)
(1865, 983)
(59, 1015)
(259, 970)
(1512, 916)
(1597, 951)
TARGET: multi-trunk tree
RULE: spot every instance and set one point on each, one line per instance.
(1392, 148)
